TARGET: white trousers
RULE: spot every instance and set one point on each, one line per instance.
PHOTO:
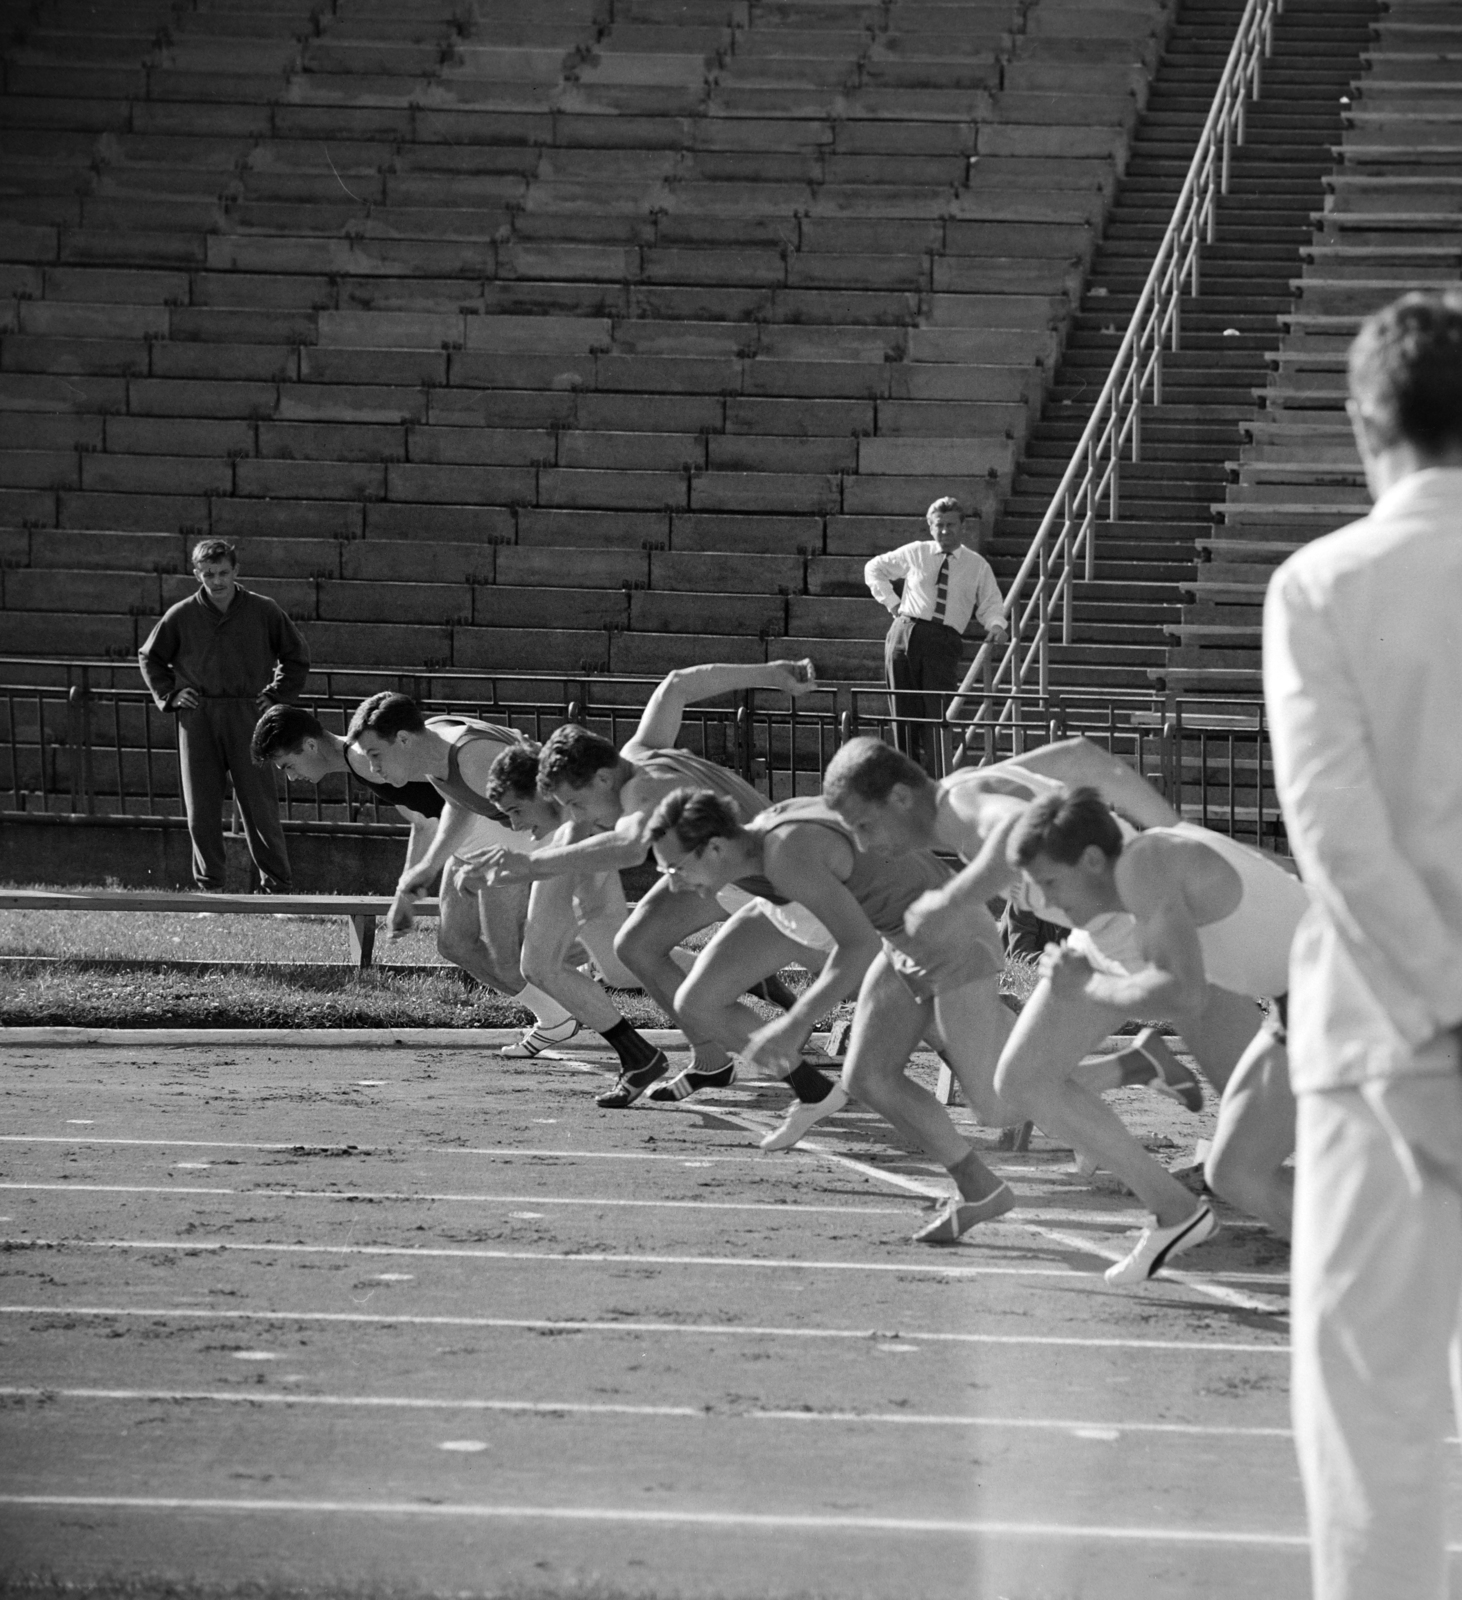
(1377, 1308)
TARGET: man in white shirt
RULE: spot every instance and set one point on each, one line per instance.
(945, 584)
(1363, 680)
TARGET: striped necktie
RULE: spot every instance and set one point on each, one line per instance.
(941, 592)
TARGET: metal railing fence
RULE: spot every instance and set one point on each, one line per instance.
(84, 739)
(1064, 549)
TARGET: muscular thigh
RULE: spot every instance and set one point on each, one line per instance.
(745, 950)
(1257, 1112)
(551, 926)
(1053, 1033)
(1225, 1028)
(664, 917)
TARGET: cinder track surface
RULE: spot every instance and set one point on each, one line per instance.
(431, 1320)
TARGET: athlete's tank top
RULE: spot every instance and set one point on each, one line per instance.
(459, 732)
(695, 772)
(1248, 951)
(884, 886)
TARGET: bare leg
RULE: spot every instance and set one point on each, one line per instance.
(747, 949)
(1038, 1075)
(657, 924)
(887, 1026)
(480, 932)
(547, 938)
(1221, 1033)
(601, 911)
(1255, 1136)
(973, 1026)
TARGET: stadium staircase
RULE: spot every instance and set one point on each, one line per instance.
(592, 335)
(1392, 221)
(1231, 331)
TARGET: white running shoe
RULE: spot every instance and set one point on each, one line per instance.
(1155, 1246)
(958, 1215)
(803, 1116)
(538, 1039)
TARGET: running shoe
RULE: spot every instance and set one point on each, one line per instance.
(629, 1086)
(958, 1215)
(684, 1084)
(538, 1039)
(1171, 1078)
(803, 1116)
(1156, 1246)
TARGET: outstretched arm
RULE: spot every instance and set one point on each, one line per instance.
(937, 914)
(1079, 761)
(660, 724)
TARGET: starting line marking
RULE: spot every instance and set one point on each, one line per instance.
(703, 1413)
(1023, 1214)
(789, 1208)
(960, 1527)
(601, 1258)
(698, 1330)
(304, 1147)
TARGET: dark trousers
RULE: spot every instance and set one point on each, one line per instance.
(213, 742)
(921, 664)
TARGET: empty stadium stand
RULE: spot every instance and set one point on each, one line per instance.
(596, 335)
(1230, 330)
(1392, 221)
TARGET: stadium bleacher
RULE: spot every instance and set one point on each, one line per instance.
(613, 339)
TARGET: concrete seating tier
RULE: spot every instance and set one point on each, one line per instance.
(1392, 221)
(1145, 559)
(614, 333)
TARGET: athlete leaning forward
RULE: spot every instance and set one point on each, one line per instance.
(614, 792)
(1042, 1073)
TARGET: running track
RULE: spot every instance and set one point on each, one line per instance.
(425, 1320)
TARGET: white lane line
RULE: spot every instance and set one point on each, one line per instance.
(368, 1402)
(1096, 1219)
(769, 1522)
(700, 1330)
(602, 1258)
(704, 1413)
(1208, 1285)
(790, 1208)
(304, 1147)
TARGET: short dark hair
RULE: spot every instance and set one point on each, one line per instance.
(572, 755)
(213, 550)
(1406, 370)
(869, 768)
(1061, 825)
(281, 731)
(695, 817)
(386, 714)
(515, 771)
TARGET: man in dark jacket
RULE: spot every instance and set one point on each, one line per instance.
(217, 660)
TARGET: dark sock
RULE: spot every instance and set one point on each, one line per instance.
(774, 992)
(973, 1178)
(808, 1084)
(634, 1051)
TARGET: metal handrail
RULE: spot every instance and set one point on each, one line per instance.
(1044, 585)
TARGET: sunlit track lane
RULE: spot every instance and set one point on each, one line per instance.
(746, 1350)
